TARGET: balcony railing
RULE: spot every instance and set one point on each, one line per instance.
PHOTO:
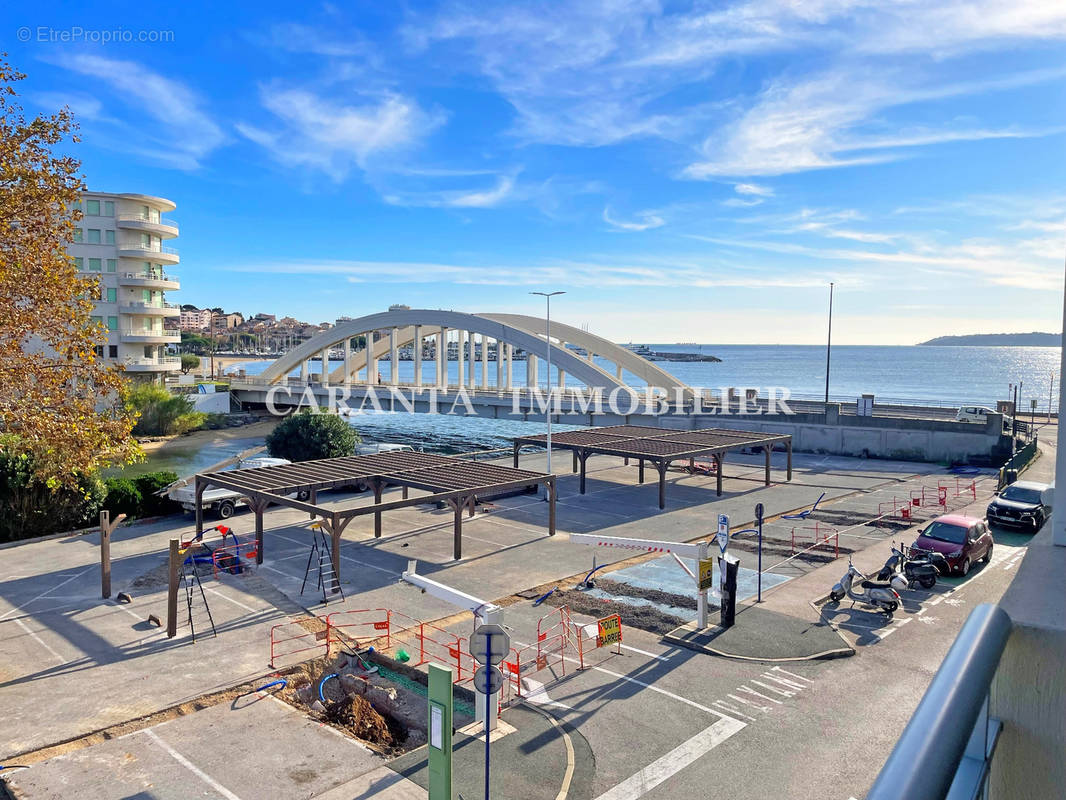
(165, 363)
(947, 747)
(142, 218)
(143, 304)
(148, 248)
(148, 276)
(158, 332)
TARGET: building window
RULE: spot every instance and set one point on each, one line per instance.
(112, 265)
(146, 241)
(112, 351)
(94, 265)
(112, 323)
(146, 295)
(109, 208)
(79, 263)
(92, 208)
(77, 234)
(109, 237)
(112, 295)
(96, 320)
(99, 349)
(94, 236)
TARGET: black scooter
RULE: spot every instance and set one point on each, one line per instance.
(918, 567)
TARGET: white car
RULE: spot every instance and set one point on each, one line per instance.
(382, 447)
(223, 502)
(979, 414)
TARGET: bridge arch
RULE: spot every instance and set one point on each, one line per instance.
(404, 326)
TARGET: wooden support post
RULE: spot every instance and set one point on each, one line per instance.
(516, 446)
(640, 472)
(313, 499)
(471, 503)
(584, 457)
(661, 467)
(457, 540)
(200, 486)
(107, 527)
(720, 458)
(378, 488)
(258, 509)
(405, 492)
(788, 447)
(574, 469)
(551, 504)
(172, 590)
(767, 450)
(625, 461)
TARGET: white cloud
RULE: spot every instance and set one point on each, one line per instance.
(753, 189)
(820, 122)
(456, 198)
(645, 220)
(185, 135)
(333, 136)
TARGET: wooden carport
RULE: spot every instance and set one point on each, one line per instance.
(660, 447)
(453, 481)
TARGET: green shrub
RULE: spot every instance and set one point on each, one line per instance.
(307, 436)
(163, 413)
(29, 507)
(153, 505)
(123, 497)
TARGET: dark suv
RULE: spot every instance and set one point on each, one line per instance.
(1024, 504)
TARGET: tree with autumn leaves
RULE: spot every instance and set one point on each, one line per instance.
(63, 412)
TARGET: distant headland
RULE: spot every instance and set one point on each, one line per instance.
(998, 340)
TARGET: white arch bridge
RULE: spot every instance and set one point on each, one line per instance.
(476, 341)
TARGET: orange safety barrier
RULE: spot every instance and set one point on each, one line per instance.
(358, 625)
(821, 534)
(293, 637)
(432, 643)
(894, 508)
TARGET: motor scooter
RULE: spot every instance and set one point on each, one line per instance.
(915, 571)
(872, 593)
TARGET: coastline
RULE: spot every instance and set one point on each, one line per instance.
(161, 445)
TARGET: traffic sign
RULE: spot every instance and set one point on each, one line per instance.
(489, 644)
(488, 679)
(723, 532)
(609, 631)
(759, 511)
(706, 579)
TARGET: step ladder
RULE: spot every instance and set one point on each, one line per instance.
(195, 597)
(320, 558)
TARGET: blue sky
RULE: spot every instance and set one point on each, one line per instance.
(685, 172)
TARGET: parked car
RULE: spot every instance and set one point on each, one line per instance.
(382, 447)
(1025, 504)
(224, 502)
(960, 539)
(979, 414)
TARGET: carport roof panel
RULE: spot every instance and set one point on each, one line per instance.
(585, 438)
(654, 448)
(401, 468)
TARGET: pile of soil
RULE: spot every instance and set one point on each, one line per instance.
(355, 714)
(654, 595)
(647, 618)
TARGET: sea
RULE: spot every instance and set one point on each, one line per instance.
(924, 375)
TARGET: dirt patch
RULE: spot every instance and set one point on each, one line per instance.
(647, 618)
(356, 715)
(654, 595)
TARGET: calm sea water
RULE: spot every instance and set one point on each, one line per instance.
(933, 375)
(936, 375)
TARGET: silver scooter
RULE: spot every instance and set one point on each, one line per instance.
(884, 596)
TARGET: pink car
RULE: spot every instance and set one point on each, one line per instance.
(960, 539)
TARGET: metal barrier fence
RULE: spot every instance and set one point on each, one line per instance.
(947, 747)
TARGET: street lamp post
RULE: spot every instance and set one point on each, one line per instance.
(548, 343)
(829, 344)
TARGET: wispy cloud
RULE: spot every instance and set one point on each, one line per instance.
(335, 136)
(185, 133)
(755, 189)
(645, 220)
(456, 198)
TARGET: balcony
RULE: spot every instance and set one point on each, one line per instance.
(166, 255)
(163, 226)
(167, 364)
(153, 336)
(156, 309)
(148, 280)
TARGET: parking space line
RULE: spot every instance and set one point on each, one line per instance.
(199, 773)
(646, 653)
(47, 592)
(235, 602)
(664, 767)
(39, 640)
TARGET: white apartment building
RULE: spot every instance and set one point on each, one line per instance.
(120, 239)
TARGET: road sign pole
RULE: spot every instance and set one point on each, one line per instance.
(487, 729)
(701, 594)
(758, 520)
